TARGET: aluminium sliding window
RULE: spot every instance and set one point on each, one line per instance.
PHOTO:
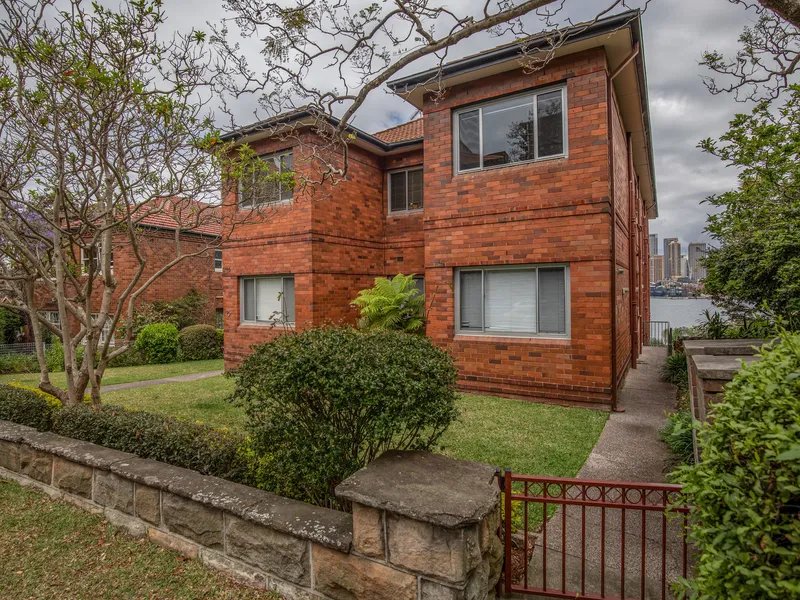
(257, 187)
(518, 301)
(267, 299)
(522, 128)
(405, 190)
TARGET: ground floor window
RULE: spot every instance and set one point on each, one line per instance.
(529, 300)
(267, 299)
(219, 319)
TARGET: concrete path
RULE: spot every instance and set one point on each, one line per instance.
(149, 382)
(629, 449)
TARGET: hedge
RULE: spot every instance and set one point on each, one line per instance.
(207, 450)
(199, 342)
(746, 489)
(28, 406)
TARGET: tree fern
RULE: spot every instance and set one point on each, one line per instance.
(393, 304)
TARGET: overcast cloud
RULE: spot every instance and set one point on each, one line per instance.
(683, 112)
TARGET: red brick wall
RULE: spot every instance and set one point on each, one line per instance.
(553, 211)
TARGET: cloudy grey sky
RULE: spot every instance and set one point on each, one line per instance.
(676, 32)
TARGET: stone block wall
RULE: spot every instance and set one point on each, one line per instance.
(423, 526)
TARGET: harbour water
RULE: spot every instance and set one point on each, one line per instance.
(680, 312)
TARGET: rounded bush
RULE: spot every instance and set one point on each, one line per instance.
(199, 342)
(158, 342)
(746, 489)
(323, 403)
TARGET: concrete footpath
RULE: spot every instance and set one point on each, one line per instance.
(629, 449)
(149, 382)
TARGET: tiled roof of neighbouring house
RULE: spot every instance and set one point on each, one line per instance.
(400, 133)
(194, 216)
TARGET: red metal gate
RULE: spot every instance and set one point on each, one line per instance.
(600, 544)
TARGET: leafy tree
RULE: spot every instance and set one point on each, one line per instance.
(11, 323)
(395, 304)
(758, 229)
(103, 125)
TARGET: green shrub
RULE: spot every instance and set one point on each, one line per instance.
(158, 342)
(132, 357)
(12, 364)
(323, 403)
(676, 370)
(55, 357)
(677, 434)
(199, 342)
(195, 446)
(27, 406)
(394, 304)
(746, 489)
(182, 312)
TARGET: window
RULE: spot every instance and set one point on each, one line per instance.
(53, 317)
(405, 190)
(517, 129)
(267, 299)
(525, 300)
(92, 255)
(218, 261)
(256, 189)
(105, 333)
(219, 318)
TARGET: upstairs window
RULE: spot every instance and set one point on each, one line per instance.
(405, 190)
(522, 128)
(218, 261)
(90, 257)
(518, 301)
(259, 188)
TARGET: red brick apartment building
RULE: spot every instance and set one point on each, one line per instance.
(157, 246)
(522, 198)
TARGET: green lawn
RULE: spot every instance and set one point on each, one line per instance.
(126, 374)
(530, 438)
(51, 549)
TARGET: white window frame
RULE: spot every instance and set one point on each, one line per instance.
(53, 317)
(104, 332)
(389, 187)
(218, 270)
(527, 267)
(265, 157)
(480, 106)
(258, 321)
(85, 269)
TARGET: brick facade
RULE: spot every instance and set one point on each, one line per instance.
(555, 211)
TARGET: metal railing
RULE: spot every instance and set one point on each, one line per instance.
(658, 333)
(22, 348)
(598, 541)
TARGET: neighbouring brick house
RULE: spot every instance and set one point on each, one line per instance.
(157, 245)
(522, 198)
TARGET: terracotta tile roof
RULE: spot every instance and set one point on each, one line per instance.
(189, 212)
(401, 133)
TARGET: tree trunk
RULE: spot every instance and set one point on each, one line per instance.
(789, 10)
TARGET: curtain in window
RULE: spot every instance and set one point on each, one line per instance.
(397, 181)
(552, 301)
(268, 302)
(510, 301)
(288, 298)
(469, 152)
(471, 300)
(415, 189)
(249, 299)
(550, 124)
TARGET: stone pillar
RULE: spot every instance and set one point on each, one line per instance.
(430, 517)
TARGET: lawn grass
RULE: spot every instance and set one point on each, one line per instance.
(125, 374)
(202, 400)
(51, 549)
(527, 437)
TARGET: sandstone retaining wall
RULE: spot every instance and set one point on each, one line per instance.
(423, 526)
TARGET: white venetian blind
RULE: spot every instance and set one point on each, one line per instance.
(510, 298)
(552, 301)
(471, 301)
(268, 304)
